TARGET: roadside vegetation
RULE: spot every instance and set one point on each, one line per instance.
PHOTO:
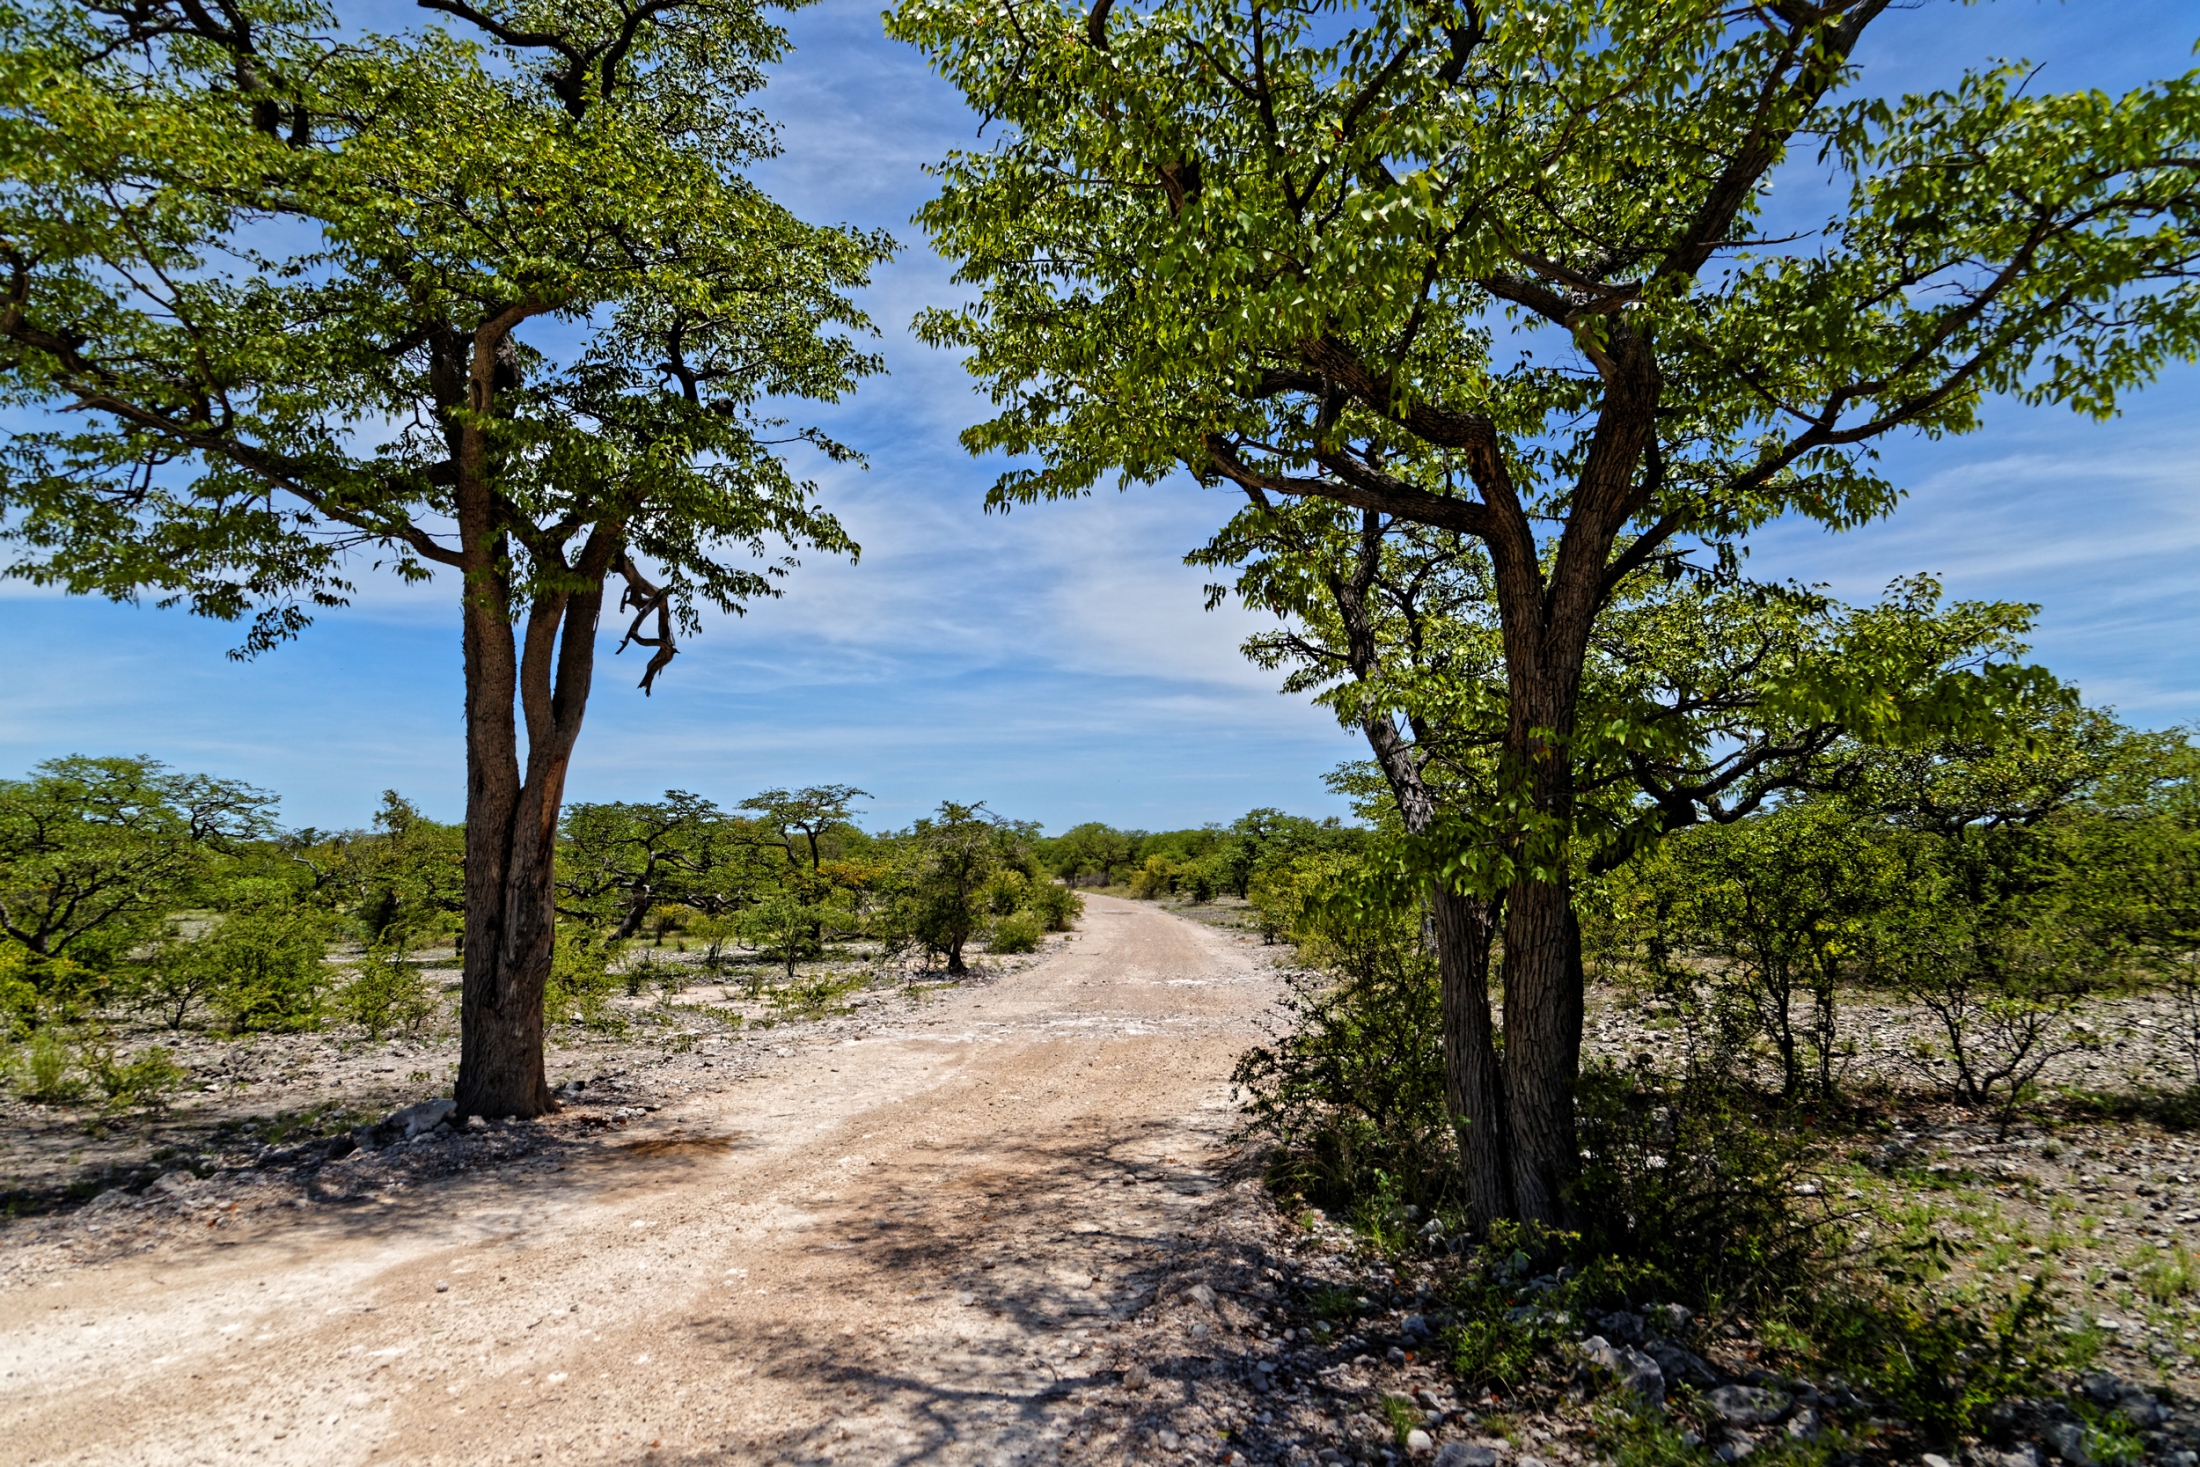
(159, 930)
(1855, 1065)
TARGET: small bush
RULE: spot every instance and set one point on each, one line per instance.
(34, 988)
(269, 966)
(817, 997)
(1020, 933)
(49, 1065)
(1351, 1092)
(387, 993)
(2170, 1277)
(1693, 1179)
(144, 1081)
(180, 975)
(1056, 906)
(581, 983)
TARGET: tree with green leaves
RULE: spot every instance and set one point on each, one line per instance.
(1089, 850)
(95, 852)
(1784, 906)
(618, 861)
(402, 882)
(1507, 271)
(797, 821)
(1715, 694)
(490, 299)
(949, 860)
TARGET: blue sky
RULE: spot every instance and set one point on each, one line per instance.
(1056, 662)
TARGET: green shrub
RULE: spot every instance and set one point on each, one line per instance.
(387, 992)
(180, 974)
(581, 983)
(144, 1081)
(50, 1065)
(1351, 1093)
(272, 976)
(1154, 880)
(1693, 1179)
(1006, 892)
(815, 998)
(1020, 933)
(1937, 1357)
(1055, 905)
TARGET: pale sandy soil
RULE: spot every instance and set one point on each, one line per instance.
(908, 1246)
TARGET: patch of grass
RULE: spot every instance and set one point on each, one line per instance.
(1403, 1417)
(1937, 1356)
(314, 1120)
(1333, 1303)
(1649, 1439)
(1496, 1352)
(2110, 1440)
(816, 998)
(142, 1082)
(50, 1069)
(2169, 1277)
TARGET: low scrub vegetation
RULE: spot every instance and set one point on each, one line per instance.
(137, 901)
(1943, 926)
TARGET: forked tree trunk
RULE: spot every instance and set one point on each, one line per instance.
(540, 670)
(511, 843)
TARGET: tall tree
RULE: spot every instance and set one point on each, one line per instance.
(491, 298)
(1703, 696)
(1503, 269)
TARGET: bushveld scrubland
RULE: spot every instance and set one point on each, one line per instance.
(180, 978)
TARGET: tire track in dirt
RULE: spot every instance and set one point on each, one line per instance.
(911, 1247)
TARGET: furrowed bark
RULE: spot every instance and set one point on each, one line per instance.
(1474, 1086)
(511, 814)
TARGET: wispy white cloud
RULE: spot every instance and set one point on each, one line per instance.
(1057, 661)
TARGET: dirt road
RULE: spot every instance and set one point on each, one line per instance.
(911, 1247)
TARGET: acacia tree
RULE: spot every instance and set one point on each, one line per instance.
(490, 299)
(949, 857)
(620, 860)
(1503, 269)
(795, 823)
(93, 852)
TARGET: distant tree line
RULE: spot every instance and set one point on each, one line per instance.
(1201, 863)
(123, 883)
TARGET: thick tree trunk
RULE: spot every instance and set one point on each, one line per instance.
(1543, 1006)
(1474, 1089)
(511, 815)
(511, 841)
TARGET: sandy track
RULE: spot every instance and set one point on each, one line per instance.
(906, 1248)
